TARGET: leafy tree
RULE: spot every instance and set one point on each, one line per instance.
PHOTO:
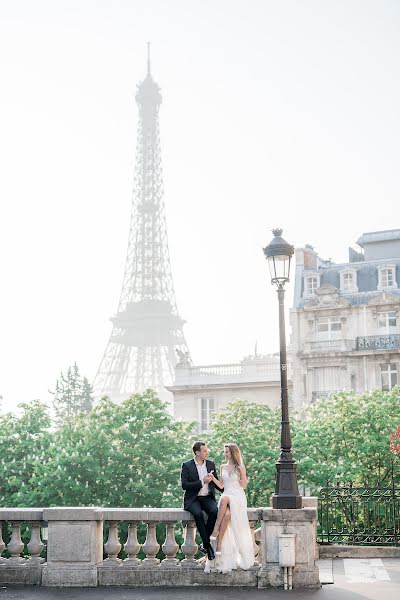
(255, 429)
(124, 455)
(73, 394)
(346, 438)
(24, 442)
(395, 441)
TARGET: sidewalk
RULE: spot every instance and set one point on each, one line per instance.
(353, 579)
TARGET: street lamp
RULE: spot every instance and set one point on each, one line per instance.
(279, 254)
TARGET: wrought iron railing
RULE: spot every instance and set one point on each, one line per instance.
(378, 342)
(363, 516)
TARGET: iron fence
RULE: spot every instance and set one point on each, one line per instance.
(364, 516)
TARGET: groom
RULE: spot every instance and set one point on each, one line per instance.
(200, 493)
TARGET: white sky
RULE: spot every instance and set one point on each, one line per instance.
(275, 113)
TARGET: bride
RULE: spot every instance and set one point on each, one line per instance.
(232, 536)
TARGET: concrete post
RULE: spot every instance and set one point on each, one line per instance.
(75, 546)
(301, 523)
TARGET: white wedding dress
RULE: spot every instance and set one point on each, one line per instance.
(237, 549)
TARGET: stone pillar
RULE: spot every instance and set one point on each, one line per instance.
(300, 522)
(74, 547)
(312, 502)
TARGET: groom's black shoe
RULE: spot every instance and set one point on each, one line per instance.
(202, 550)
(210, 553)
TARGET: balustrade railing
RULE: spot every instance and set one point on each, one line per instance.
(156, 537)
(20, 537)
(136, 538)
(89, 547)
(339, 345)
(378, 342)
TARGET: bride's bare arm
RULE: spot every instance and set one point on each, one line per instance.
(217, 482)
(243, 477)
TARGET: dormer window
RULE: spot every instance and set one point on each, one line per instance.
(348, 281)
(311, 284)
(387, 277)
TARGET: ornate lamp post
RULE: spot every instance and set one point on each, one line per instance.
(279, 254)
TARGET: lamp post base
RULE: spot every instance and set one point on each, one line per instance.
(286, 501)
(286, 490)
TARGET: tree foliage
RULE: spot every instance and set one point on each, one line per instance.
(395, 441)
(73, 394)
(124, 455)
(346, 438)
(24, 442)
(255, 429)
(130, 454)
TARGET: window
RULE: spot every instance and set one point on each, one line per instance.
(387, 322)
(206, 410)
(329, 327)
(311, 285)
(387, 278)
(388, 376)
(348, 281)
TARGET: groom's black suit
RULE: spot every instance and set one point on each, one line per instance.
(194, 503)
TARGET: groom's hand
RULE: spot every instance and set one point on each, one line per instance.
(207, 478)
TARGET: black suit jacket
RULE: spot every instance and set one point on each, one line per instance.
(191, 483)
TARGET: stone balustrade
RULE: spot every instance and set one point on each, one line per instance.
(89, 546)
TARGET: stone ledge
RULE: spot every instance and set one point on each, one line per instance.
(290, 515)
(164, 515)
(67, 576)
(72, 513)
(21, 514)
(342, 551)
(180, 577)
(24, 574)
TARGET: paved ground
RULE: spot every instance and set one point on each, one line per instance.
(353, 579)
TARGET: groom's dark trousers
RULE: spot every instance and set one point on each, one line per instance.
(194, 503)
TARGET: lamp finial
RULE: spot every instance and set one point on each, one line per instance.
(277, 232)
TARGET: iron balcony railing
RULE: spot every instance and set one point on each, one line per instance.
(378, 342)
(365, 516)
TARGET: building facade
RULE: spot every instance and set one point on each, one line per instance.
(200, 391)
(345, 319)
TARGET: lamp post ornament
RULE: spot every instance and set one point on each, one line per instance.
(278, 254)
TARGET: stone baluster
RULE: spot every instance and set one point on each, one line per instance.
(2, 545)
(35, 545)
(112, 547)
(132, 546)
(253, 535)
(151, 546)
(16, 545)
(170, 547)
(189, 546)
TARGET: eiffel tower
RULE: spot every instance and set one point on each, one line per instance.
(147, 330)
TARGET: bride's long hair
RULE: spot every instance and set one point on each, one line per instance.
(236, 456)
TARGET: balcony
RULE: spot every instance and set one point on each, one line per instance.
(253, 369)
(329, 346)
(379, 342)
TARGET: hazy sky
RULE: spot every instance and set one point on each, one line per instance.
(275, 113)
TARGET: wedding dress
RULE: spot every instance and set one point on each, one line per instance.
(237, 549)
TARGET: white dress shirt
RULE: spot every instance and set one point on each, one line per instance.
(202, 471)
